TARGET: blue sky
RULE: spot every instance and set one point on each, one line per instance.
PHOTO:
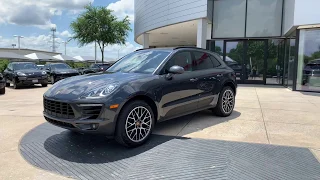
(34, 18)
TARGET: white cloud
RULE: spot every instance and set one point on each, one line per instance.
(65, 34)
(36, 12)
(123, 8)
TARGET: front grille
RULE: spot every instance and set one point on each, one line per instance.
(92, 112)
(59, 123)
(58, 109)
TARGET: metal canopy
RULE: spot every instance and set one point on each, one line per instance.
(11, 55)
(40, 56)
(66, 58)
(85, 58)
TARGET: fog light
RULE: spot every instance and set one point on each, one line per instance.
(88, 127)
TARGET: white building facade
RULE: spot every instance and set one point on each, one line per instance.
(267, 41)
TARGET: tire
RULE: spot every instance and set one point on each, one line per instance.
(3, 90)
(44, 85)
(52, 80)
(222, 109)
(133, 133)
(15, 85)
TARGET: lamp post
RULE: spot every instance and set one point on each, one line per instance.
(19, 37)
(65, 46)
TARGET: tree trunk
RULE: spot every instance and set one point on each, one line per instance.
(102, 54)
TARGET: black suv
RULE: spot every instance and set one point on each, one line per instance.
(24, 73)
(142, 88)
(311, 72)
(94, 68)
(2, 85)
(58, 71)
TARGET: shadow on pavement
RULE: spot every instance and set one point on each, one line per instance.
(26, 87)
(96, 149)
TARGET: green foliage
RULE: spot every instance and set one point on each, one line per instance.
(97, 24)
(218, 50)
(76, 64)
(3, 64)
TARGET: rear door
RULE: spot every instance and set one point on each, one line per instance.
(209, 77)
(179, 94)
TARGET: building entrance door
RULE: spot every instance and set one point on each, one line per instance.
(248, 59)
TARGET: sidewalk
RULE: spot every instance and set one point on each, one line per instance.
(263, 114)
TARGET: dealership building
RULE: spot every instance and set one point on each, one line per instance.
(264, 41)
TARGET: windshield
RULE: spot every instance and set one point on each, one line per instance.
(60, 66)
(140, 62)
(25, 66)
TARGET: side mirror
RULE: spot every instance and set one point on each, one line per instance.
(176, 70)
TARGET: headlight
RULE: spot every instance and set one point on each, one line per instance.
(44, 73)
(21, 74)
(101, 91)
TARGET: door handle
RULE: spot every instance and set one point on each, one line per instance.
(219, 75)
(194, 79)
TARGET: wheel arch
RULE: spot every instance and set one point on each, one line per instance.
(231, 84)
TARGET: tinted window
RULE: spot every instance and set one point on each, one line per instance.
(145, 61)
(104, 66)
(60, 66)
(94, 66)
(215, 62)
(202, 61)
(25, 66)
(183, 59)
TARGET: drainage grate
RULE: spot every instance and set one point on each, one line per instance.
(163, 157)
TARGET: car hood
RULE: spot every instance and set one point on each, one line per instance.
(74, 87)
(65, 71)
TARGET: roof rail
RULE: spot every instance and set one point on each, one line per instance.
(193, 47)
(142, 49)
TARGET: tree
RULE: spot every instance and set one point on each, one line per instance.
(98, 24)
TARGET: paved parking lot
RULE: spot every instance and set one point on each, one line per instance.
(263, 114)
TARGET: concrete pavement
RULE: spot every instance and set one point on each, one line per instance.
(263, 114)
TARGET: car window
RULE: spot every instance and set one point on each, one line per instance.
(25, 66)
(145, 61)
(183, 59)
(202, 61)
(60, 66)
(215, 62)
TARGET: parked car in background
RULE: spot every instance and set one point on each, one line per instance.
(237, 68)
(24, 74)
(40, 66)
(58, 71)
(141, 89)
(2, 84)
(98, 67)
(311, 72)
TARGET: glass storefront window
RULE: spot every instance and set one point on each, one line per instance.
(263, 18)
(229, 18)
(274, 62)
(308, 71)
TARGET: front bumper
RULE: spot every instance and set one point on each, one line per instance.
(32, 80)
(59, 77)
(100, 123)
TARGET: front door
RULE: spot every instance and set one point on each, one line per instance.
(180, 93)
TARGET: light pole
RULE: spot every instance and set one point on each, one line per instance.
(19, 37)
(65, 46)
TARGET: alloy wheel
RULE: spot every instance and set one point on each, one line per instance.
(227, 101)
(138, 124)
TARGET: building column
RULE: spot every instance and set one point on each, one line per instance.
(202, 33)
(145, 40)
